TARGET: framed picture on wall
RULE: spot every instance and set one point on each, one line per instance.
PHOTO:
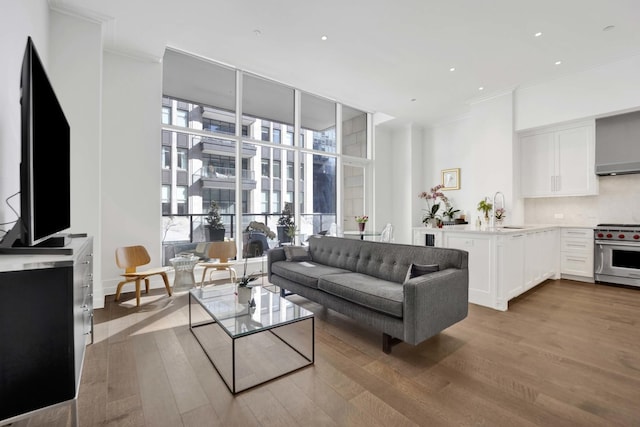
(451, 179)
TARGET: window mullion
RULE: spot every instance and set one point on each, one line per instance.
(238, 180)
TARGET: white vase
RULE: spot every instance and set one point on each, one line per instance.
(431, 223)
(244, 294)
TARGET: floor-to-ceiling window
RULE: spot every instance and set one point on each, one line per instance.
(246, 161)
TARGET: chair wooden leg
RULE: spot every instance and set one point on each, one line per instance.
(119, 289)
(146, 285)
(166, 283)
(204, 272)
(138, 293)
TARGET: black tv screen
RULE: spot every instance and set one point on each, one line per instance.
(45, 169)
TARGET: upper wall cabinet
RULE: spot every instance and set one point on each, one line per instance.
(558, 161)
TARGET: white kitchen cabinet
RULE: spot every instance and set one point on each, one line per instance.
(576, 254)
(511, 258)
(541, 257)
(482, 288)
(502, 264)
(558, 161)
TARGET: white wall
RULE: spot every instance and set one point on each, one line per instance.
(18, 20)
(398, 168)
(76, 74)
(130, 175)
(481, 144)
(596, 92)
(382, 176)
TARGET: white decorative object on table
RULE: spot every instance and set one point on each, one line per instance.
(183, 278)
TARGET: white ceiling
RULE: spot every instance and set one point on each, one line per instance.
(381, 54)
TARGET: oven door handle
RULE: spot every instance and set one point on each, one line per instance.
(610, 243)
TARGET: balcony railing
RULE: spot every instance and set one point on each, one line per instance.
(221, 173)
(192, 227)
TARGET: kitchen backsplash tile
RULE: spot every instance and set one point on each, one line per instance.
(618, 202)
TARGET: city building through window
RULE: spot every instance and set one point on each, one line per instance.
(213, 160)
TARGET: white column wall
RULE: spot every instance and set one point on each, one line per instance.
(382, 178)
(18, 20)
(481, 144)
(130, 175)
(76, 74)
(397, 170)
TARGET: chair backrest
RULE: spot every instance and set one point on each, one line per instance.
(130, 257)
(222, 250)
(387, 233)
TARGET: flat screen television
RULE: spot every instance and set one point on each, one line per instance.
(45, 178)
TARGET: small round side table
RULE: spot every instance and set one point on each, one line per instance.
(184, 278)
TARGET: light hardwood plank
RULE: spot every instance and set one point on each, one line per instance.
(565, 354)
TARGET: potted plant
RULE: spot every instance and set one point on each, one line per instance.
(435, 196)
(500, 215)
(286, 224)
(485, 207)
(450, 213)
(362, 221)
(243, 287)
(256, 239)
(214, 223)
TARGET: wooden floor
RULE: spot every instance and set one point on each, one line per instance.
(565, 354)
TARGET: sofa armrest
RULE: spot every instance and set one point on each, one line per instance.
(434, 302)
(274, 255)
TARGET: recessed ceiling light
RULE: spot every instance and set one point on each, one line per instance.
(481, 88)
(452, 69)
(538, 34)
(609, 28)
(324, 38)
(558, 62)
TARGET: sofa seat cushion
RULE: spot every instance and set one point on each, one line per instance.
(377, 294)
(305, 273)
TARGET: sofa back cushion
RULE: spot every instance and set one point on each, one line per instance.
(335, 251)
(390, 261)
(387, 261)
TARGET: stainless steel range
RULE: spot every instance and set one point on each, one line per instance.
(617, 254)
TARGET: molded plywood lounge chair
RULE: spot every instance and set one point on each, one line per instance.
(219, 254)
(131, 257)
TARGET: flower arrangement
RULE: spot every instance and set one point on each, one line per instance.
(501, 213)
(362, 219)
(433, 197)
(245, 280)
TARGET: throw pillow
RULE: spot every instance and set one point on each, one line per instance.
(416, 270)
(296, 253)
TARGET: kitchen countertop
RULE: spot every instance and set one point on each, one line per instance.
(505, 229)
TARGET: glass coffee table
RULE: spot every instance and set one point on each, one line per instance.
(249, 346)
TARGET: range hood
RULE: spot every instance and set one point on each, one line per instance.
(618, 144)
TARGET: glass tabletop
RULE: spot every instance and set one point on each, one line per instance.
(238, 319)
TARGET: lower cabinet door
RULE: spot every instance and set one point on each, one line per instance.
(481, 284)
(511, 261)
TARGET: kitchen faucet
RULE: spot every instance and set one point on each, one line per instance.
(492, 220)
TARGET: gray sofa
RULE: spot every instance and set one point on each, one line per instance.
(369, 282)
